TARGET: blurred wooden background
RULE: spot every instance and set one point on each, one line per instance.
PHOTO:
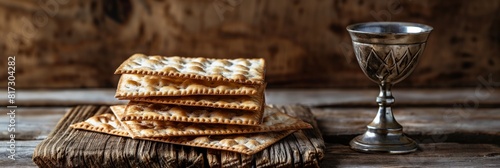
(79, 43)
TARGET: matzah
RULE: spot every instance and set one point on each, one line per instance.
(250, 71)
(273, 120)
(253, 103)
(134, 85)
(164, 112)
(244, 143)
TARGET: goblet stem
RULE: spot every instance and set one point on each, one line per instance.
(384, 119)
(384, 133)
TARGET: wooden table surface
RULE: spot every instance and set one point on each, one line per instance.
(454, 127)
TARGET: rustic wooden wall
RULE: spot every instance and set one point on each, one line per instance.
(79, 43)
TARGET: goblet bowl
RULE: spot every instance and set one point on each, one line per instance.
(387, 53)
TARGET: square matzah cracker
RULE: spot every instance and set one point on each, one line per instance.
(244, 143)
(164, 112)
(273, 120)
(253, 103)
(133, 85)
(250, 71)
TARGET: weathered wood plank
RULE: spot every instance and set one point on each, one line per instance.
(481, 97)
(66, 147)
(232, 159)
(213, 158)
(313, 153)
(429, 155)
(63, 97)
(70, 148)
(339, 155)
(336, 124)
(23, 153)
(339, 125)
(32, 123)
(424, 124)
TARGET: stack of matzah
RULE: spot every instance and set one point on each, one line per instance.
(211, 103)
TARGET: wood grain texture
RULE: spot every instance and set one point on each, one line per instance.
(481, 97)
(428, 125)
(32, 123)
(336, 155)
(68, 44)
(24, 151)
(436, 131)
(428, 155)
(448, 135)
(337, 125)
(66, 147)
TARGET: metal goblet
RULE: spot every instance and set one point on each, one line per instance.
(387, 52)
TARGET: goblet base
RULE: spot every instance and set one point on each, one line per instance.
(391, 141)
